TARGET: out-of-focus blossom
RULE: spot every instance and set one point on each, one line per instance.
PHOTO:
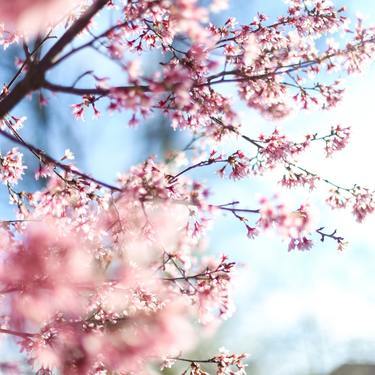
(30, 17)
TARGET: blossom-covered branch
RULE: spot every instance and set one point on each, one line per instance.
(110, 278)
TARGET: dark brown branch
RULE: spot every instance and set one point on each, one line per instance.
(235, 210)
(17, 94)
(89, 43)
(72, 32)
(90, 91)
(332, 235)
(197, 165)
(211, 360)
(35, 76)
(23, 335)
(46, 159)
(27, 60)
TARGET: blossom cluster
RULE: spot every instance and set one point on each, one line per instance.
(11, 167)
(112, 300)
(23, 17)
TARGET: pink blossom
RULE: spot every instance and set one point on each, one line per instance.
(338, 140)
(239, 164)
(290, 223)
(302, 243)
(363, 203)
(99, 277)
(32, 17)
(11, 168)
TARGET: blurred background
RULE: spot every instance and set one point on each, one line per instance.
(297, 313)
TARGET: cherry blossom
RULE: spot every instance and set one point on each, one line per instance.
(30, 17)
(11, 169)
(100, 277)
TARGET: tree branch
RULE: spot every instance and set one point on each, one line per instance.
(89, 91)
(45, 158)
(24, 335)
(72, 32)
(35, 76)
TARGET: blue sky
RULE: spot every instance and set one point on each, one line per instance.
(307, 312)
